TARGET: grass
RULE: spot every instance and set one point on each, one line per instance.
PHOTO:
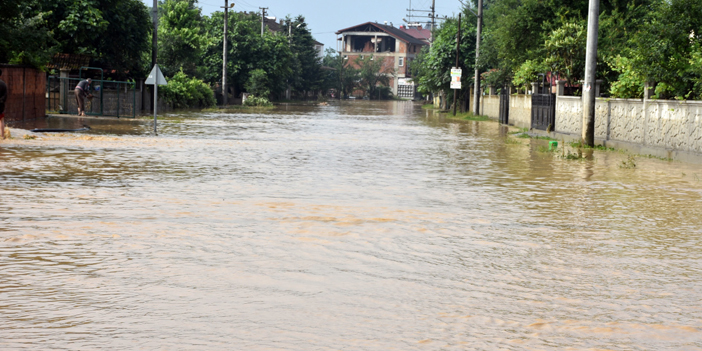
(630, 163)
(538, 137)
(512, 141)
(658, 157)
(521, 130)
(467, 116)
(428, 107)
(579, 145)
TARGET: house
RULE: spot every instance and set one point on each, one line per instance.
(320, 48)
(396, 47)
(416, 30)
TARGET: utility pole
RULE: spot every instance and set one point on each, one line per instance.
(263, 18)
(458, 46)
(588, 132)
(154, 36)
(154, 45)
(433, 15)
(476, 83)
(224, 53)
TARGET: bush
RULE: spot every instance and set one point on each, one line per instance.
(257, 83)
(187, 92)
(254, 101)
(528, 73)
(384, 92)
(630, 82)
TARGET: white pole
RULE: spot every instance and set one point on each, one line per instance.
(588, 131)
(155, 98)
(224, 55)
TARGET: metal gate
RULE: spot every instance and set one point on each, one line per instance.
(111, 98)
(504, 106)
(543, 107)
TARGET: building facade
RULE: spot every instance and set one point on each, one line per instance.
(396, 47)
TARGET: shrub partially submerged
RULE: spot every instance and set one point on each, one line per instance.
(257, 101)
(187, 92)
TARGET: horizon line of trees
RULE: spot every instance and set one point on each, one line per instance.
(640, 41)
(117, 35)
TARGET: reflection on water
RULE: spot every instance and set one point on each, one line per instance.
(366, 225)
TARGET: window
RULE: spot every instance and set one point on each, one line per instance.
(401, 62)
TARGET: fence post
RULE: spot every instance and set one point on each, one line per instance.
(134, 100)
(119, 88)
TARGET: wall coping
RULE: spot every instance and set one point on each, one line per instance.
(650, 101)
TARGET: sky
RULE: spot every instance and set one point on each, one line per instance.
(324, 18)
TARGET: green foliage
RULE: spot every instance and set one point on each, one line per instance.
(307, 74)
(180, 38)
(432, 67)
(527, 73)
(114, 32)
(247, 51)
(258, 83)
(373, 71)
(565, 51)
(665, 50)
(344, 77)
(630, 82)
(187, 92)
(254, 101)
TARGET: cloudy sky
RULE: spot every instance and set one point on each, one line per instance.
(327, 17)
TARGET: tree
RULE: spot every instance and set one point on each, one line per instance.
(114, 32)
(373, 71)
(247, 51)
(25, 39)
(343, 77)
(180, 37)
(307, 74)
(565, 51)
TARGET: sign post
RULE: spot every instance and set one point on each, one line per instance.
(156, 78)
(456, 78)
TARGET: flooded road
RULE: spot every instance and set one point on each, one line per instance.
(361, 226)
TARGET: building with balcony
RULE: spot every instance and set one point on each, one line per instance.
(395, 46)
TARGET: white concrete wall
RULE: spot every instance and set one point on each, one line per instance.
(672, 125)
(520, 110)
(490, 106)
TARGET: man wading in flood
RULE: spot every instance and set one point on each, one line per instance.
(82, 90)
(3, 98)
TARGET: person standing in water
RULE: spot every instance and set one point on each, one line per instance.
(82, 91)
(3, 98)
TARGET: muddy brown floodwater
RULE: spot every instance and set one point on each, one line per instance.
(361, 226)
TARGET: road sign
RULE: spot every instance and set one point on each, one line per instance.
(156, 76)
(456, 78)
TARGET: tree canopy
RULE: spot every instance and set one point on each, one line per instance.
(640, 41)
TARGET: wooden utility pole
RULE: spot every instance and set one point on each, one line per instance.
(224, 54)
(588, 132)
(263, 18)
(458, 47)
(476, 83)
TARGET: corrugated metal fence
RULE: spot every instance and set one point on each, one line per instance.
(26, 93)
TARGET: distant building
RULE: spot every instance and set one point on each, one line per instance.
(320, 48)
(395, 46)
(418, 32)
